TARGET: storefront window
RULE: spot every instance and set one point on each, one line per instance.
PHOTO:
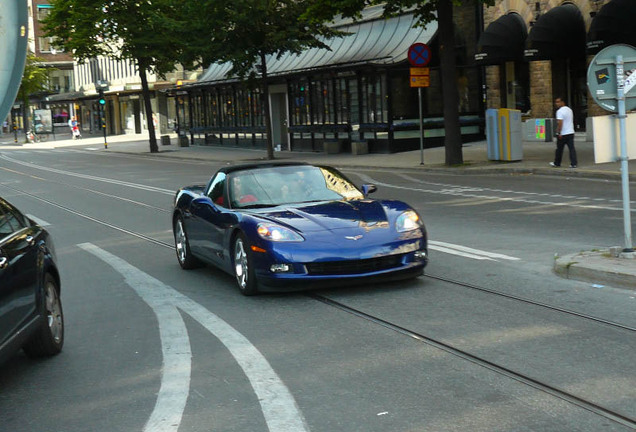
(353, 97)
(60, 114)
(342, 106)
(299, 93)
(212, 108)
(374, 99)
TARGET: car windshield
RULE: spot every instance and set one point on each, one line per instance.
(273, 186)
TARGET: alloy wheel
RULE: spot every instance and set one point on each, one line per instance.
(241, 263)
(54, 313)
(181, 242)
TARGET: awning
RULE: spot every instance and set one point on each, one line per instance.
(613, 24)
(68, 97)
(376, 41)
(559, 33)
(503, 40)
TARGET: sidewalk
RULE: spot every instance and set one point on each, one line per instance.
(597, 267)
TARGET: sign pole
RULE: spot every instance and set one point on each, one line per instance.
(419, 94)
(419, 55)
(616, 97)
(620, 82)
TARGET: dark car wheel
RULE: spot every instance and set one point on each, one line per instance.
(49, 338)
(243, 268)
(182, 246)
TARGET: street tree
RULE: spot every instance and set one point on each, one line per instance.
(142, 31)
(426, 11)
(248, 32)
(34, 79)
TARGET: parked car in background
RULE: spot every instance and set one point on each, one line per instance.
(290, 226)
(31, 314)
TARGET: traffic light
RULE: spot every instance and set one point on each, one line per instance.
(102, 99)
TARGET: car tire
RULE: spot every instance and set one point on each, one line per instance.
(243, 266)
(49, 338)
(182, 245)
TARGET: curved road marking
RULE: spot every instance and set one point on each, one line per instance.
(278, 405)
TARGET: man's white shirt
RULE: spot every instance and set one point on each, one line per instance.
(565, 113)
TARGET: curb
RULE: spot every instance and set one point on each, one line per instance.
(474, 170)
(597, 267)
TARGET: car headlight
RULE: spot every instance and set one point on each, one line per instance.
(408, 221)
(277, 233)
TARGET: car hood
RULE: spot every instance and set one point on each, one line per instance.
(332, 215)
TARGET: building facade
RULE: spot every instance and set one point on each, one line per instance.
(72, 87)
(518, 54)
(358, 90)
(58, 65)
(536, 51)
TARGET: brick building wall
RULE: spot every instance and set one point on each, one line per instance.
(541, 91)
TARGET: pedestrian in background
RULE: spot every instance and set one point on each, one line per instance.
(565, 133)
(75, 132)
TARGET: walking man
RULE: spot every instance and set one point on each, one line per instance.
(565, 133)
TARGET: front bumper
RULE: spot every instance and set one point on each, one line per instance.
(334, 273)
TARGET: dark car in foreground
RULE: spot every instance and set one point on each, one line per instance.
(30, 307)
(289, 226)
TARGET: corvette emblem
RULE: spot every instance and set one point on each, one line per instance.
(358, 237)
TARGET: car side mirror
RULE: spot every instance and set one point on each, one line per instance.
(368, 189)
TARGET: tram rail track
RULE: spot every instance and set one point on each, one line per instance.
(532, 302)
(583, 403)
(571, 398)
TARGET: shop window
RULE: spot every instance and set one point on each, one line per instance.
(43, 11)
(342, 106)
(300, 102)
(353, 94)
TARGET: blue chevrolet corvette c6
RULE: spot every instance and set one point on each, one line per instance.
(289, 226)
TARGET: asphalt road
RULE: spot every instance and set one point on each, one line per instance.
(150, 347)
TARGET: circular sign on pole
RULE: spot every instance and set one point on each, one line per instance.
(603, 81)
(419, 54)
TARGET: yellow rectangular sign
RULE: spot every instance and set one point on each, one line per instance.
(420, 71)
(420, 81)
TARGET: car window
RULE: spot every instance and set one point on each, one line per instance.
(217, 189)
(288, 185)
(10, 222)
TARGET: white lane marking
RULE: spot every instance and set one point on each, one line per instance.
(89, 177)
(461, 250)
(509, 191)
(38, 221)
(177, 365)
(175, 344)
(455, 252)
(459, 192)
(277, 403)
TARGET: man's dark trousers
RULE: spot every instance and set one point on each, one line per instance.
(566, 140)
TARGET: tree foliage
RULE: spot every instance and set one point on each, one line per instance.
(34, 79)
(142, 31)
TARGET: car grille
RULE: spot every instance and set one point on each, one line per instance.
(354, 266)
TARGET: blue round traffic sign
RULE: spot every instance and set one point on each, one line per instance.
(419, 54)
